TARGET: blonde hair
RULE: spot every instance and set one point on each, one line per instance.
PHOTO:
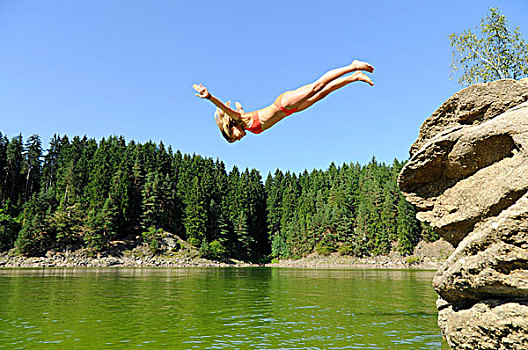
(225, 123)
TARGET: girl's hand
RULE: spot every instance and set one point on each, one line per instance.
(202, 91)
(239, 108)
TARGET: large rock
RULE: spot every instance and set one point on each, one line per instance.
(492, 262)
(489, 324)
(468, 178)
(473, 105)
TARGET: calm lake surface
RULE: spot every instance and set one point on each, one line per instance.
(217, 308)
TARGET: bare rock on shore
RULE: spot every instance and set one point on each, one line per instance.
(492, 262)
(140, 256)
(472, 106)
(427, 255)
(468, 178)
(468, 173)
(489, 324)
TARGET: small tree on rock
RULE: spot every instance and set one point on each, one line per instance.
(495, 53)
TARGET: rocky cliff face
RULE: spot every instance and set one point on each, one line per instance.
(468, 177)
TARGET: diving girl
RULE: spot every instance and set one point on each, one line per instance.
(234, 123)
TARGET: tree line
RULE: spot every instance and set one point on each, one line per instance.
(80, 193)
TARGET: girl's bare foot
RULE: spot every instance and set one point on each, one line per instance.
(360, 76)
(359, 65)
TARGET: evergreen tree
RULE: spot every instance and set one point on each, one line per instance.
(101, 226)
(195, 218)
(33, 155)
(9, 227)
(408, 228)
(51, 163)
(37, 235)
(274, 188)
(68, 225)
(368, 220)
(13, 181)
(4, 142)
(279, 246)
(119, 198)
(136, 183)
(244, 240)
(100, 176)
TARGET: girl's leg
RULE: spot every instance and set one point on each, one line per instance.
(292, 99)
(333, 86)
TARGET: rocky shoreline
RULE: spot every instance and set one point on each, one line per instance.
(427, 256)
(81, 259)
(316, 262)
(344, 262)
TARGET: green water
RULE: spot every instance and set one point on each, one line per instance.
(231, 308)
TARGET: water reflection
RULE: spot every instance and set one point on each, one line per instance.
(211, 308)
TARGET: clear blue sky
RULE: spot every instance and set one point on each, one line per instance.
(103, 67)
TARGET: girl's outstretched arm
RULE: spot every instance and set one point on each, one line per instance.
(204, 93)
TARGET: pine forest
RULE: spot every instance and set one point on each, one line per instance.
(83, 193)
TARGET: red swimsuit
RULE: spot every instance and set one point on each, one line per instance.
(255, 127)
(278, 104)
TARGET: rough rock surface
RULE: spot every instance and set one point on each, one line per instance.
(471, 106)
(468, 177)
(489, 324)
